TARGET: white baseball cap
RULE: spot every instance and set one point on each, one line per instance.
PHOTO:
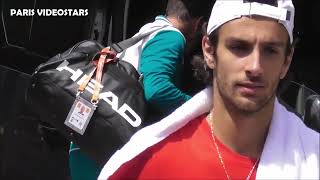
(227, 10)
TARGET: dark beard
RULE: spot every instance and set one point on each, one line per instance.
(233, 106)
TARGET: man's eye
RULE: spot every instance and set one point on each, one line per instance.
(239, 48)
(271, 50)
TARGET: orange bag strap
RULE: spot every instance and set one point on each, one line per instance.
(106, 56)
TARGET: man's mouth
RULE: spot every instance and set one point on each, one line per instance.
(250, 88)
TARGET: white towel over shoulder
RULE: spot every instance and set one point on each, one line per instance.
(291, 150)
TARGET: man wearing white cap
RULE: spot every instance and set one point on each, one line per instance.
(237, 129)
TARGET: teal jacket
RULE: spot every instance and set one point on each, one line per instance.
(161, 65)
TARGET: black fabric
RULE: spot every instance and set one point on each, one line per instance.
(52, 93)
(26, 146)
(312, 112)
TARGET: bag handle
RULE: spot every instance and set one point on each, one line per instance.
(120, 46)
(107, 55)
(112, 51)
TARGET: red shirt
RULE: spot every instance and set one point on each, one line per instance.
(189, 153)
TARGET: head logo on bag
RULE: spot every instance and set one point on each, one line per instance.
(115, 113)
(109, 97)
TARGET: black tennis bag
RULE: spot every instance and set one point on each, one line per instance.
(120, 111)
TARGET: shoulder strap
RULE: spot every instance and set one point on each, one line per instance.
(120, 46)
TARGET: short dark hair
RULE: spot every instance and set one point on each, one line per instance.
(188, 9)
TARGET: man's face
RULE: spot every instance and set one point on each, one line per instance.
(249, 61)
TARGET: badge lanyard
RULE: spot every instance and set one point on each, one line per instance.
(82, 109)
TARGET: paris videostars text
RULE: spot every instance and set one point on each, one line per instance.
(49, 12)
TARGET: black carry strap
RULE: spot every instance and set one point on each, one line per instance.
(120, 46)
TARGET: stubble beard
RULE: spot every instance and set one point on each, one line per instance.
(243, 106)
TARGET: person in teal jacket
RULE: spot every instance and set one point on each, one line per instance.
(160, 62)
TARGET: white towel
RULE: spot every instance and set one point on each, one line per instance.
(291, 150)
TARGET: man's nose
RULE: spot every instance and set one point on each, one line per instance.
(254, 64)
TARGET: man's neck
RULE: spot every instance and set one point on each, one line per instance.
(241, 132)
(179, 24)
(183, 26)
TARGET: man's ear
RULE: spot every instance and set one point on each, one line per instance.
(286, 64)
(208, 52)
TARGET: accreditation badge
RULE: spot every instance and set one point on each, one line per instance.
(80, 115)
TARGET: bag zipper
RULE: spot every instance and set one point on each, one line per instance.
(59, 60)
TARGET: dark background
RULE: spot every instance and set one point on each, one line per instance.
(28, 149)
